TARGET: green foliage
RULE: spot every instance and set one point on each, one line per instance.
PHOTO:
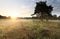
(59, 18)
(42, 10)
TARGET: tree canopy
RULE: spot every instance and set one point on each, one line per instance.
(42, 9)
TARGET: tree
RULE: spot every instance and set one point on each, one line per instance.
(42, 10)
(54, 17)
(59, 18)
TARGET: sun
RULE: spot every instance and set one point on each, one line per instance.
(13, 16)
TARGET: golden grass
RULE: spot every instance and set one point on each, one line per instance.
(31, 29)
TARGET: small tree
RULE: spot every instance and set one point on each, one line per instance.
(55, 17)
(59, 18)
(42, 10)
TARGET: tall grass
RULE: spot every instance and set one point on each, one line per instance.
(31, 29)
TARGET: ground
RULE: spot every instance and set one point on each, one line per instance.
(29, 29)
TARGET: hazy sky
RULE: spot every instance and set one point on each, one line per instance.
(24, 8)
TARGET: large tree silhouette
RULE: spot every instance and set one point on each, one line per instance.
(42, 10)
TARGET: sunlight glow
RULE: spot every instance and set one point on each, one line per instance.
(13, 16)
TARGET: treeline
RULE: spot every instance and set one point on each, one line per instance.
(54, 17)
(4, 17)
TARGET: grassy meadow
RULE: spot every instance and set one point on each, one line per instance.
(29, 29)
